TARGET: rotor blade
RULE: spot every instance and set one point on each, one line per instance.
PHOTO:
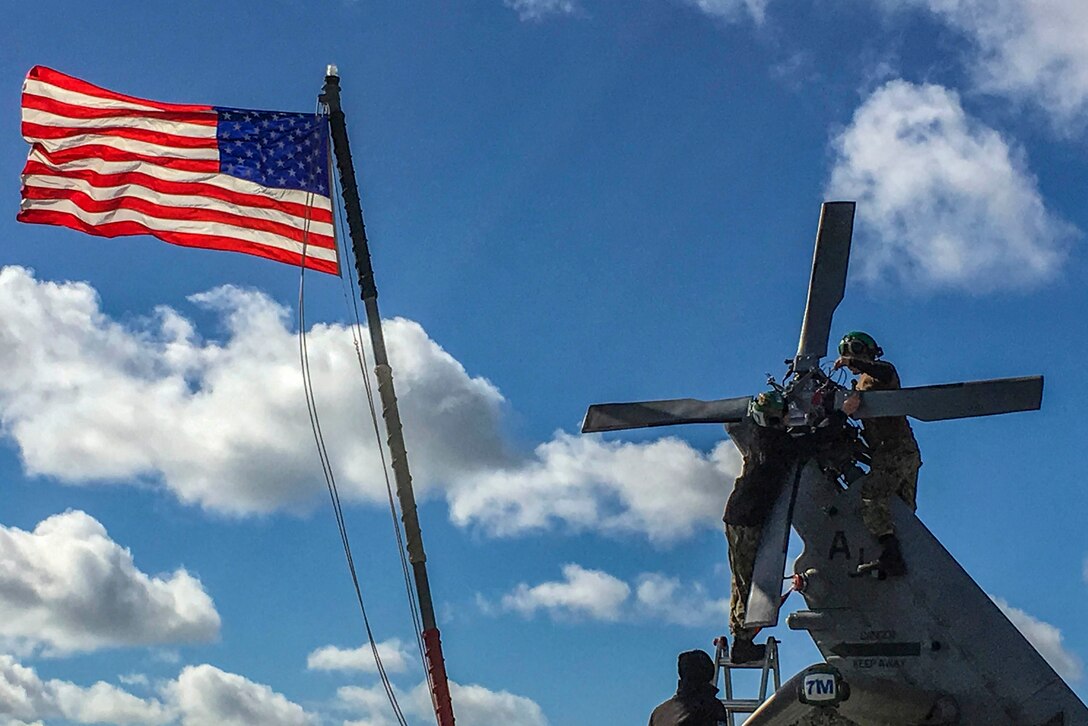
(619, 416)
(953, 400)
(828, 281)
(765, 596)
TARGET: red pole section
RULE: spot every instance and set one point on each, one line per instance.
(413, 535)
(436, 669)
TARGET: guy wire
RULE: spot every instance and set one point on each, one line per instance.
(330, 479)
(352, 303)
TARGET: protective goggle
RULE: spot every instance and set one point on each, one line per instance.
(853, 347)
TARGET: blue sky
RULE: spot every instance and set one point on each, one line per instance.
(569, 201)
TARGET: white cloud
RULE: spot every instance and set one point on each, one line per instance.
(200, 696)
(733, 9)
(668, 600)
(600, 596)
(796, 70)
(664, 489)
(223, 425)
(728, 10)
(25, 697)
(1046, 638)
(166, 655)
(371, 705)
(479, 706)
(943, 201)
(103, 703)
(474, 705)
(22, 694)
(585, 592)
(205, 695)
(66, 586)
(540, 9)
(134, 679)
(393, 653)
(1028, 50)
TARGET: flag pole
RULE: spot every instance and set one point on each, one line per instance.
(432, 642)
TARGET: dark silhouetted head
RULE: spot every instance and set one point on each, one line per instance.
(695, 666)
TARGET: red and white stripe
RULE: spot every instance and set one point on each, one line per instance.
(109, 164)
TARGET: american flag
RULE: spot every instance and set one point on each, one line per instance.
(200, 176)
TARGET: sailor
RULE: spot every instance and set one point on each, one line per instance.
(696, 701)
(894, 451)
(768, 454)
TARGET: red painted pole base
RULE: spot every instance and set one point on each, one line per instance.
(436, 669)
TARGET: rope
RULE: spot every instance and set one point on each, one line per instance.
(327, 471)
(351, 301)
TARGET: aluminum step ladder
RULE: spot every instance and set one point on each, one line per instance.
(768, 667)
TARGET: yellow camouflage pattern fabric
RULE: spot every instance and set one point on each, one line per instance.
(824, 716)
(892, 473)
(895, 455)
(767, 457)
(743, 547)
(886, 432)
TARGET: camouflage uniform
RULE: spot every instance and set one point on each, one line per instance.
(895, 455)
(743, 546)
(767, 456)
(824, 716)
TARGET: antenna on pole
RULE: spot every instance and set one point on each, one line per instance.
(432, 643)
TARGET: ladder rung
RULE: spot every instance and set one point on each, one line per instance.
(730, 665)
(769, 668)
(742, 704)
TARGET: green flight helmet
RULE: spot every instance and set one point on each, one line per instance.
(768, 409)
(857, 343)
